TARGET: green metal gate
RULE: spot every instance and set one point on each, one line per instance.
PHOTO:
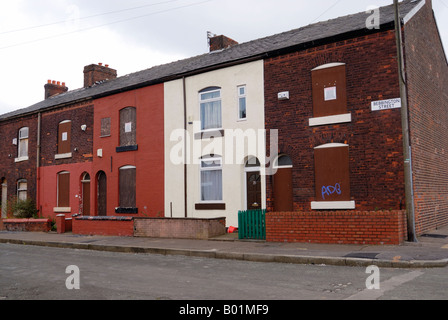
(252, 224)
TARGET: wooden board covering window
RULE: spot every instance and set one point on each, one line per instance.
(127, 187)
(64, 190)
(328, 78)
(332, 174)
(128, 127)
(64, 137)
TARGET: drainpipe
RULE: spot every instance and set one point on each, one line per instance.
(39, 122)
(409, 189)
(185, 146)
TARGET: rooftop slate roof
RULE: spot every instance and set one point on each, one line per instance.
(252, 49)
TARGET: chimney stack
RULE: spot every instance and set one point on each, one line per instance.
(221, 42)
(53, 88)
(95, 73)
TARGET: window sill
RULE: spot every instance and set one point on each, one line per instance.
(210, 206)
(126, 210)
(126, 148)
(62, 210)
(333, 205)
(21, 159)
(340, 118)
(63, 156)
(218, 133)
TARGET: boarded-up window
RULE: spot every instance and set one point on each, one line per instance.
(127, 187)
(64, 189)
(332, 172)
(128, 127)
(329, 90)
(64, 137)
(105, 127)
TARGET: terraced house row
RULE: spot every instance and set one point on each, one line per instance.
(307, 124)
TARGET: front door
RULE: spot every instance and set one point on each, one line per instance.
(86, 195)
(102, 194)
(253, 186)
(4, 199)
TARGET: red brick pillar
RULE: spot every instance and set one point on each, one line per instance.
(60, 223)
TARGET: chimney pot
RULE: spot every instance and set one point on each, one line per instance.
(100, 64)
(53, 88)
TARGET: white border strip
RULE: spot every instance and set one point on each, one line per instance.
(413, 12)
(340, 118)
(337, 205)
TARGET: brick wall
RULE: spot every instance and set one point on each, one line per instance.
(103, 226)
(341, 227)
(27, 225)
(376, 151)
(427, 78)
(11, 170)
(179, 228)
(82, 141)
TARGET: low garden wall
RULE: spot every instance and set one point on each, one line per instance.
(103, 226)
(180, 228)
(338, 227)
(27, 225)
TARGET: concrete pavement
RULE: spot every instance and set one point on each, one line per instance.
(429, 252)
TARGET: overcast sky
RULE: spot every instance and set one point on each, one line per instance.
(55, 39)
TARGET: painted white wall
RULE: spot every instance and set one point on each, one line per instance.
(234, 177)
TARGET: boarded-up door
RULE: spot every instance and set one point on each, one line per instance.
(102, 194)
(283, 190)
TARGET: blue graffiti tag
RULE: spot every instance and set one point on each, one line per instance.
(330, 190)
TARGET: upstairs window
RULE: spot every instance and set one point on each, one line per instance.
(65, 138)
(330, 94)
(22, 151)
(128, 129)
(210, 108)
(242, 108)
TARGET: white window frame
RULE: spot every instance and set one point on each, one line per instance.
(242, 96)
(219, 167)
(201, 102)
(22, 137)
(19, 190)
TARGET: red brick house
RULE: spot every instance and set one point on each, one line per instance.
(340, 131)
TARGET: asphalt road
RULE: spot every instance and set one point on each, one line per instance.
(40, 273)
